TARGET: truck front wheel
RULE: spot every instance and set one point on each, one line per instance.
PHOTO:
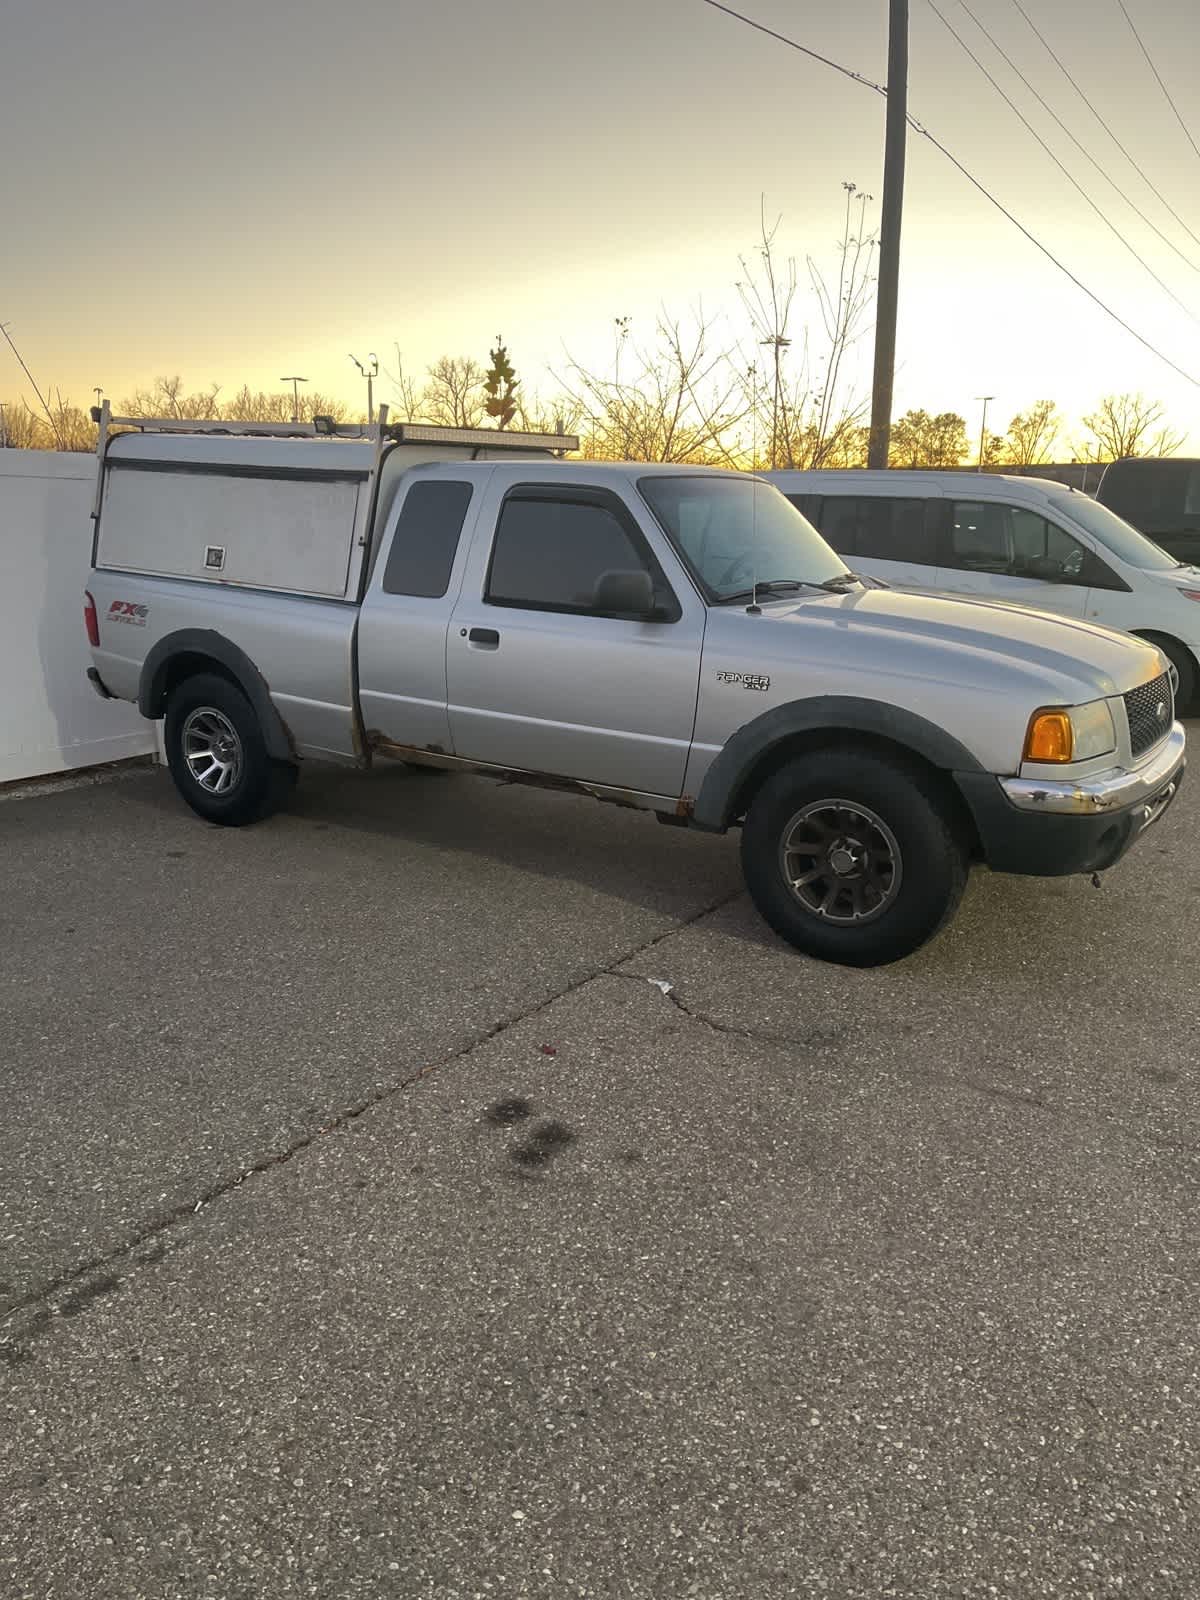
(852, 858)
(217, 754)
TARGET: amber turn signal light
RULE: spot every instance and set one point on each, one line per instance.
(1050, 737)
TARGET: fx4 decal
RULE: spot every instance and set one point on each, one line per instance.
(128, 611)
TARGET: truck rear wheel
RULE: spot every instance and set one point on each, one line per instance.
(217, 754)
(852, 858)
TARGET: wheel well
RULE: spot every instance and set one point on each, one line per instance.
(900, 755)
(188, 664)
(1154, 636)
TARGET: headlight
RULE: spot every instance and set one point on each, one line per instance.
(1074, 733)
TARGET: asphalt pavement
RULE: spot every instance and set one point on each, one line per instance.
(448, 1189)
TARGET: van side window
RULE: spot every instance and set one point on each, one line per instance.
(426, 539)
(987, 536)
(979, 537)
(878, 527)
(1036, 539)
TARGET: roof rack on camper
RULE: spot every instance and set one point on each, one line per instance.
(322, 427)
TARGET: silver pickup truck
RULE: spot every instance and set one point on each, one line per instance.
(673, 639)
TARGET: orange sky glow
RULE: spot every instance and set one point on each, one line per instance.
(235, 192)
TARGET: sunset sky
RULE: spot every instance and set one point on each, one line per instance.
(238, 191)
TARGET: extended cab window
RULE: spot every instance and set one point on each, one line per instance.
(879, 527)
(426, 539)
(549, 553)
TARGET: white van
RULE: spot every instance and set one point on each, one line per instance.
(1026, 540)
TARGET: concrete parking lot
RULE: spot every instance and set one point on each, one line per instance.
(448, 1189)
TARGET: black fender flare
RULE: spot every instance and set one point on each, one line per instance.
(842, 714)
(207, 642)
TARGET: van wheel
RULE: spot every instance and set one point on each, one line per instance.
(1180, 658)
(217, 754)
(852, 858)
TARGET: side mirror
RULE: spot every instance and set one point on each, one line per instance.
(1047, 569)
(628, 593)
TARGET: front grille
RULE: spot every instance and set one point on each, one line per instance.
(1151, 711)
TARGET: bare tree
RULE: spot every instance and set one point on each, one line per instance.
(455, 395)
(406, 398)
(922, 440)
(63, 426)
(767, 294)
(168, 398)
(1122, 426)
(1032, 434)
(807, 418)
(677, 399)
(260, 405)
(994, 447)
(24, 429)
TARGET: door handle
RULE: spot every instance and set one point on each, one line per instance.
(486, 638)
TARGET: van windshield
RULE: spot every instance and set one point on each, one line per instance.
(1125, 542)
(736, 532)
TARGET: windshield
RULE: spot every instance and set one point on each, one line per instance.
(1126, 543)
(734, 532)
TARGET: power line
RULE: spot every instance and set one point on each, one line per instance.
(1050, 256)
(1161, 84)
(924, 132)
(760, 27)
(1083, 150)
(1133, 162)
(1065, 170)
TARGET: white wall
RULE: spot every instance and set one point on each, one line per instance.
(51, 719)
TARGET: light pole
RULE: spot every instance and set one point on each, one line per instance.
(370, 373)
(295, 383)
(3, 428)
(983, 427)
(779, 344)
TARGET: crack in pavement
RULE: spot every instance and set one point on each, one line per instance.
(840, 1039)
(11, 1351)
(814, 1036)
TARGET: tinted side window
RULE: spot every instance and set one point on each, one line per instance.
(979, 537)
(837, 522)
(878, 527)
(895, 530)
(548, 554)
(808, 505)
(426, 539)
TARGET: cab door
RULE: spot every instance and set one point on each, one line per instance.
(539, 677)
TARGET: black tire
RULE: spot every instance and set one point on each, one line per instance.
(1180, 658)
(879, 913)
(209, 708)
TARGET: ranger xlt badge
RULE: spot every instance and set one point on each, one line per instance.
(748, 680)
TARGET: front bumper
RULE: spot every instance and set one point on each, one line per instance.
(1052, 828)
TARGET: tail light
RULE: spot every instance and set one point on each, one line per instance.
(90, 622)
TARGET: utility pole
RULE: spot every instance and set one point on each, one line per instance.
(370, 373)
(887, 293)
(295, 383)
(983, 427)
